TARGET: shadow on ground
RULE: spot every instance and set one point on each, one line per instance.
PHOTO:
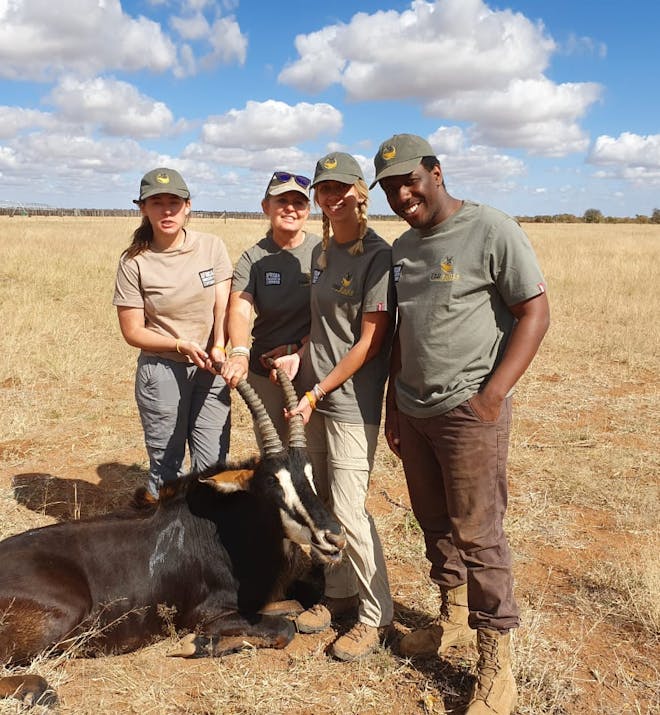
(69, 499)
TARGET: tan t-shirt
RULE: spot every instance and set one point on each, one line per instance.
(176, 288)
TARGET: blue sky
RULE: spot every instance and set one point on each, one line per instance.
(535, 107)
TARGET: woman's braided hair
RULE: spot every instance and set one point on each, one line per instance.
(362, 211)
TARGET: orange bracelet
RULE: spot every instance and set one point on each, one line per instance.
(311, 399)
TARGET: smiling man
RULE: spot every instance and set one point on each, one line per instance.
(472, 314)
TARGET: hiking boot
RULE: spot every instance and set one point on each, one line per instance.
(449, 630)
(495, 691)
(357, 643)
(319, 616)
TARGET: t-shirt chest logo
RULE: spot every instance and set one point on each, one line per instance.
(345, 285)
(207, 277)
(447, 272)
(272, 278)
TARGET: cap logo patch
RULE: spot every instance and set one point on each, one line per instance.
(389, 152)
(163, 179)
(330, 163)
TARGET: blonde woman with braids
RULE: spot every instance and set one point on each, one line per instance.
(344, 366)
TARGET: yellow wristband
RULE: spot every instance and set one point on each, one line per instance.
(311, 399)
(221, 348)
(178, 340)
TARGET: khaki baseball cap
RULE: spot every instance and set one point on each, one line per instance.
(400, 154)
(283, 181)
(162, 181)
(337, 166)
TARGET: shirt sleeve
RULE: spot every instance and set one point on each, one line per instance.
(513, 264)
(243, 279)
(222, 268)
(128, 293)
(379, 287)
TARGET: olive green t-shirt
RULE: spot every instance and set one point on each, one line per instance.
(349, 287)
(453, 287)
(176, 288)
(278, 280)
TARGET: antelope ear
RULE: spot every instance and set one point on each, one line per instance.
(231, 480)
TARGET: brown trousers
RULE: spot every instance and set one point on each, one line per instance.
(455, 466)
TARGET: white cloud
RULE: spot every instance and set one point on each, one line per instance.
(14, 120)
(631, 157)
(227, 41)
(69, 152)
(472, 165)
(423, 52)
(191, 28)
(116, 107)
(39, 39)
(264, 125)
(535, 114)
(265, 160)
(628, 148)
(463, 61)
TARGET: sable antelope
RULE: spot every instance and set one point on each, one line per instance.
(210, 552)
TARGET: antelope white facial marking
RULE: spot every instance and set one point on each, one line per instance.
(300, 533)
(170, 538)
(310, 477)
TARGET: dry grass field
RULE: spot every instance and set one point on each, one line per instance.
(584, 466)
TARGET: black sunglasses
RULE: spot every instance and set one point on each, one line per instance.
(284, 176)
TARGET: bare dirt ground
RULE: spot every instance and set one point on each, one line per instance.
(586, 655)
(582, 521)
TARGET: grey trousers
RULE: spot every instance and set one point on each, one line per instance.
(342, 457)
(181, 404)
(455, 466)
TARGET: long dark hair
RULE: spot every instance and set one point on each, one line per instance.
(142, 239)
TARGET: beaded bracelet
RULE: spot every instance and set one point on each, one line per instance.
(240, 350)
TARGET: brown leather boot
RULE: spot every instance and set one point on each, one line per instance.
(449, 630)
(495, 691)
(320, 615)
(359, 642)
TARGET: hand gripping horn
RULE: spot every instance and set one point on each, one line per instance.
(270, 440)
(296, 423)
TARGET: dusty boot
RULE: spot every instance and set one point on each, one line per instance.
(320, 615)
(495, 691)
(359, 642)
(449, 630)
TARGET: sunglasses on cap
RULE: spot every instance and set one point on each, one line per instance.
(283, 177)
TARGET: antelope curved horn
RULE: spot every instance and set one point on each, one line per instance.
(272, 444)
(296, 423)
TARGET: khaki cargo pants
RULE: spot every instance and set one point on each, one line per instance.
(342, 457)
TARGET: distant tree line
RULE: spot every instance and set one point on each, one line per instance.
(589, 216)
